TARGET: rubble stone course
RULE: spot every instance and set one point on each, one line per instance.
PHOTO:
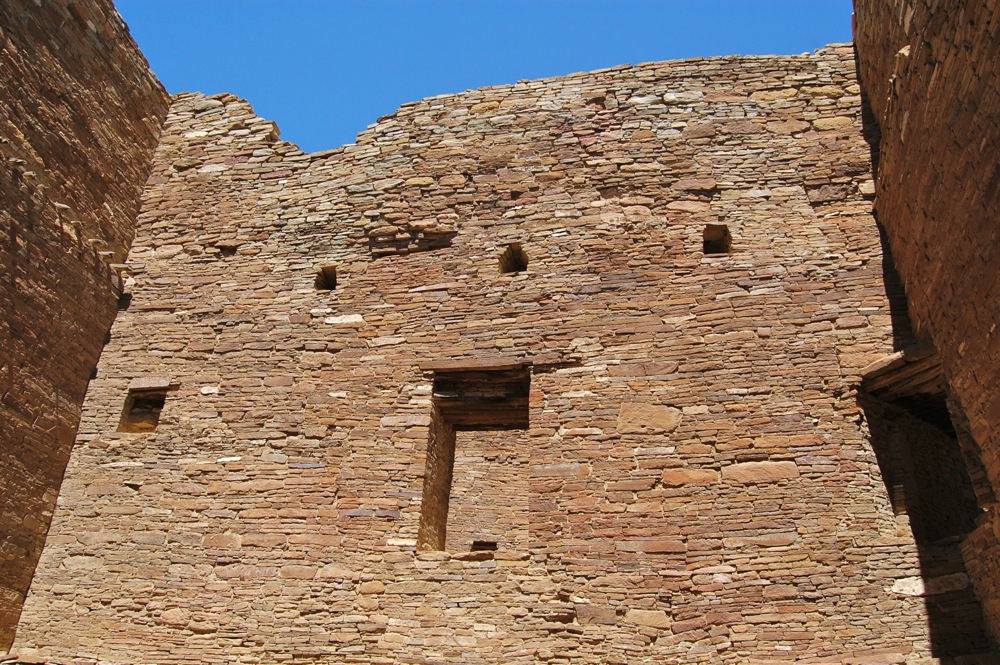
(694, 485)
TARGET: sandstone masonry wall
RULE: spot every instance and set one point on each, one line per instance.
(79, 119)
(695, 483)
(929, 69)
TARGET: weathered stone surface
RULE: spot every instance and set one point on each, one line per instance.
(283, 487)
(678, 477)
(175, 617)
(651, 545)
(654, 369)
(824, 124)
(651, 618)
(647, 419)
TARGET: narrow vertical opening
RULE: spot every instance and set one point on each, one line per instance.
(903, 334)
(513, 259)
(437, 483)
(918, 440)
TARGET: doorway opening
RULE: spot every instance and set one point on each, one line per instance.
(473, 414)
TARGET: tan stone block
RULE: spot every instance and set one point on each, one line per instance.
(393, 638)
(175, 617)
(568, 470)
(763, 540)
(831, 91)
(222, 540)
(296, 572)
(453, 180)
(372, 586)
(203, 627)
(268, 540)
(638, 418)
(637, 485)
(771, 442)
(696, 184)
(699, 131)
(689, 206)
(772, 95)
(484, 107)
(419, 181)
(651, 618)
(538, 587)
(412, 588)
(760, 472)
(652, 545)
(787, 126)
(587, 613)
(696, 623)
(335, 571)
(678, 477)
(839, 122)
(780, 592)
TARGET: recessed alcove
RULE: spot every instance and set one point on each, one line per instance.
(326, 278)
(935, 484)
(514, 259)
(144, 403)
(716, 240)
(227, 249)
(142, 410)
(477, 400)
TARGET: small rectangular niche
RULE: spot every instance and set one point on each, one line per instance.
(716, 240)
(124, 301)
(227, 248)
(513, 259)
(142, 411)
(145, 401)
(326, 278)
(484, 546)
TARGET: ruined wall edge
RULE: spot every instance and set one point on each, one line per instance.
(80, 116)
(926, 68)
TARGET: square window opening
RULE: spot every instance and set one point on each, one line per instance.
(142, 411)
(717, 240)
(326, 278)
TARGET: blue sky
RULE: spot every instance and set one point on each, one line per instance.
(326, 69)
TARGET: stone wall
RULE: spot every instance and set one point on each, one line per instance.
(929, 71)
(79, 119)
(663, 445)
